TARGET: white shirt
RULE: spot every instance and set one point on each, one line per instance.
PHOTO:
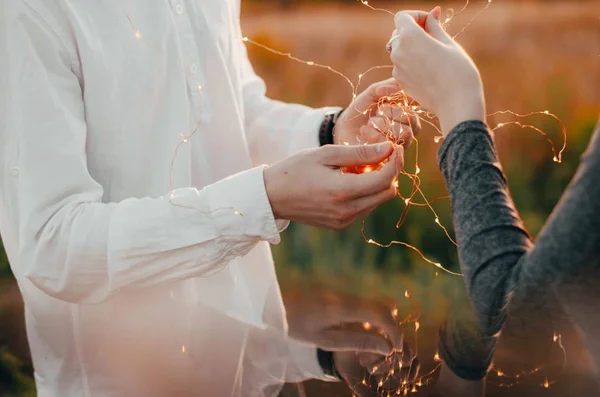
(127, 294)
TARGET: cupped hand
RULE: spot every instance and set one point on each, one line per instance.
(435, 70)
(310, 188)
(371, 118)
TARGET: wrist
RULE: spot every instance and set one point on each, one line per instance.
(461, 110)
(326, 130)
(272, 191)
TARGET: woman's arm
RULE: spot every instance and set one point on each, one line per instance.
(497, 256)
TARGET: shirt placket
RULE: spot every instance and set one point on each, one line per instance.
(182, 11)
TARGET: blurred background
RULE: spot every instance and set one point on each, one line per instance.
(533, 56)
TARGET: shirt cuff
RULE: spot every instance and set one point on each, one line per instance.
(305, 134)
(239, 205)
(304, 363)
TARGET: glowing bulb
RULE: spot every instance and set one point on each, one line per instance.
(183, 348)
(500, 373)
(367, 326)
(555, 338)
(414, 389)
(360, 76)
(245, 39)
(556, 159)
(368, 168)
(138, 35)
(546, 384)
(437, 265)
(396, 184)
(546, 112)
(407, 201)
(437, 139)
(380, 383)
(447, 20)
(371, 241)
(310, 63)
(406, 294)
(417, 325)
(417, 170)
(436, 357)
(437, 220)
(237, 213)
(500, 125)
(395, 312)
(364, 382)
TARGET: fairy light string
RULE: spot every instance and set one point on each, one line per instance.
(397, 362)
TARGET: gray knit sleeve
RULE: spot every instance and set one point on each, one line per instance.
(497, 255)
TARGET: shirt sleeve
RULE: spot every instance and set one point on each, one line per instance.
(500, 261)
(72, 245)
(275, 129)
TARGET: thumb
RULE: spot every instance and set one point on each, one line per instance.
(344, 156)
(434, 27)
(357, 341)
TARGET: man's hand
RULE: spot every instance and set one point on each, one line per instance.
(310, 188)
(366, 339)
(367, 121)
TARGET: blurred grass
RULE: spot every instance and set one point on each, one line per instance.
(532, 56)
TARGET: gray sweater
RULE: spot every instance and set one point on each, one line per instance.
(504, 270)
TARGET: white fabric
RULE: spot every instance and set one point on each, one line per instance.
(127, 294)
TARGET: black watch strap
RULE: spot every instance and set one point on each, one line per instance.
(327, 126)
(328, 364)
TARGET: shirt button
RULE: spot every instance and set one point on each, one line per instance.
(14, 172)
(193, 68)
(179, 9)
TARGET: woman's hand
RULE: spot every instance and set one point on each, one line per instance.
(435, 70)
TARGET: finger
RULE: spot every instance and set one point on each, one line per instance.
(411, 33)
(434, 27)
(374, 93)
(367, 318)
(417, 16)
(379, 129)
(370, 183)
(344, 156)
(341, 340)
(374, 363)
(368, 203)
(376, 130)
(387, 90)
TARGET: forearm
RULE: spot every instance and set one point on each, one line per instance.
(491, 237)
(78, 249)
(499, 261)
